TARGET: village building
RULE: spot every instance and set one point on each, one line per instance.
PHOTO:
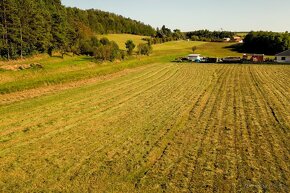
(283, 57)
(238, 39)
(227, 39)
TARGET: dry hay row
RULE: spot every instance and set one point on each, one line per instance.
(253, 170)
(178, 172)
(246, 142)
(280, 76)
(175, 127)
(274, 109)
(276, 97)
(152, 85)
(226, 171)
(65, 112)
(122, 138)
(277, 107)
(271, 149)
(136, 136)
(202, 178)
(116, 154)
(66, 125)
(91, 93)
(52, 89)
(157, 170)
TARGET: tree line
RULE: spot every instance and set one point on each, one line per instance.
(263, 42)
(165, 34)
(29, 27)
(209, 36)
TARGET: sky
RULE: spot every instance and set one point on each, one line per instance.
(189, 15)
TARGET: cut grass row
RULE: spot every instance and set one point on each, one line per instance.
(165, 127)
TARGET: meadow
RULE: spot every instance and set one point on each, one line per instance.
(148, 125)
(121, 39)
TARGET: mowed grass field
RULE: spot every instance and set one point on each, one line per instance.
(159, 127)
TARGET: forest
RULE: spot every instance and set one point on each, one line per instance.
(209, 36)
(30, 27)
(269, 43)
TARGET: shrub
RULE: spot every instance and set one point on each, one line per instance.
(144, 49)
(130, 47)
(109, 52)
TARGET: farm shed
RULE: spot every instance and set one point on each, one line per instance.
(194, 57)
(254, 57)
(238, 39)
(283, 57)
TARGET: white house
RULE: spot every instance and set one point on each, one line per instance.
(194, 57)
(283, 57)
(227, 39)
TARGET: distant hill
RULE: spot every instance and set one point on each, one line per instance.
(37, 26)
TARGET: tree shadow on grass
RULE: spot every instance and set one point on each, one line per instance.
(236, 48)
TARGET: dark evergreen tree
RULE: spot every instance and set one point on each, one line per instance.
(30, 26)
(130, 47)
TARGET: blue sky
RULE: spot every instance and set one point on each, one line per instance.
(188, 15)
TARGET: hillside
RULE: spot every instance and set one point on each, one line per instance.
(73, 68)
(29, 27)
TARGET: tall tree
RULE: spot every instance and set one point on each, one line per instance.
(10, 27)
(130, 46)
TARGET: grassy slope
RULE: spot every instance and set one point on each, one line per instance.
(215, 49)
(75, 68)
(121, 39)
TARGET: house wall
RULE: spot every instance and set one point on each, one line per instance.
(279, 59)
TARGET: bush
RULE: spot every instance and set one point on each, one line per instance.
(130, 47)
(144, 49)
(105, 41)
(109, 52)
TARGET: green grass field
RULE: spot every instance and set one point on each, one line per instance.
(57, 70)
(121, 39)
(146, 125)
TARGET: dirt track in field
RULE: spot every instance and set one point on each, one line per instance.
(161, 128)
